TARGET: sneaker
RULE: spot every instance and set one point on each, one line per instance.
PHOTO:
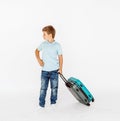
(53, 102)
(41, 105)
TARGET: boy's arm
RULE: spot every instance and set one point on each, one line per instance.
(60, 63)
(37, 54)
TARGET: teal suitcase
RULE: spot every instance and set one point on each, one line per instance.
(78, 90)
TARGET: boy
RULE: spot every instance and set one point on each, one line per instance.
(51, 63)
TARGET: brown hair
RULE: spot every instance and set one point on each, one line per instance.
(50, 30)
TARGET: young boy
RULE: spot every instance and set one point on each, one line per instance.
(51, 63)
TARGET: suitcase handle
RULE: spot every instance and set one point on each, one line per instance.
(68, 84)
(62, 77)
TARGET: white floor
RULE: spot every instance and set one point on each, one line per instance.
(23, 106)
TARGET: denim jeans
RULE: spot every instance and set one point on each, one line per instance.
(46, 77)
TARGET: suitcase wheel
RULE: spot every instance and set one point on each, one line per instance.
(88, 104)
(93, 100)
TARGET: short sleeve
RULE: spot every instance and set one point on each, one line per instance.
(59, 49)
(40, 47)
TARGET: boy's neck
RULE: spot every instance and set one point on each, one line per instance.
(51, 40)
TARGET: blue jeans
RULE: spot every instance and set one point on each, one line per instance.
(47, 76)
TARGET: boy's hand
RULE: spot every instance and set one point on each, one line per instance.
(37, 54)
(60, 71)
(41, 63)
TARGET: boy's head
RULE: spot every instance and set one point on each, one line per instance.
(48, 31)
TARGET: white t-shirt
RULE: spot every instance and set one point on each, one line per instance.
(50, 52)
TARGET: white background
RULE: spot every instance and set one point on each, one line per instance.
(88, 31)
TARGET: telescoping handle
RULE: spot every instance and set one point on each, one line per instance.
(62, 77)
(67, 83)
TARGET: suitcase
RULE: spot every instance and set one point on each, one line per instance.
(78, 90)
